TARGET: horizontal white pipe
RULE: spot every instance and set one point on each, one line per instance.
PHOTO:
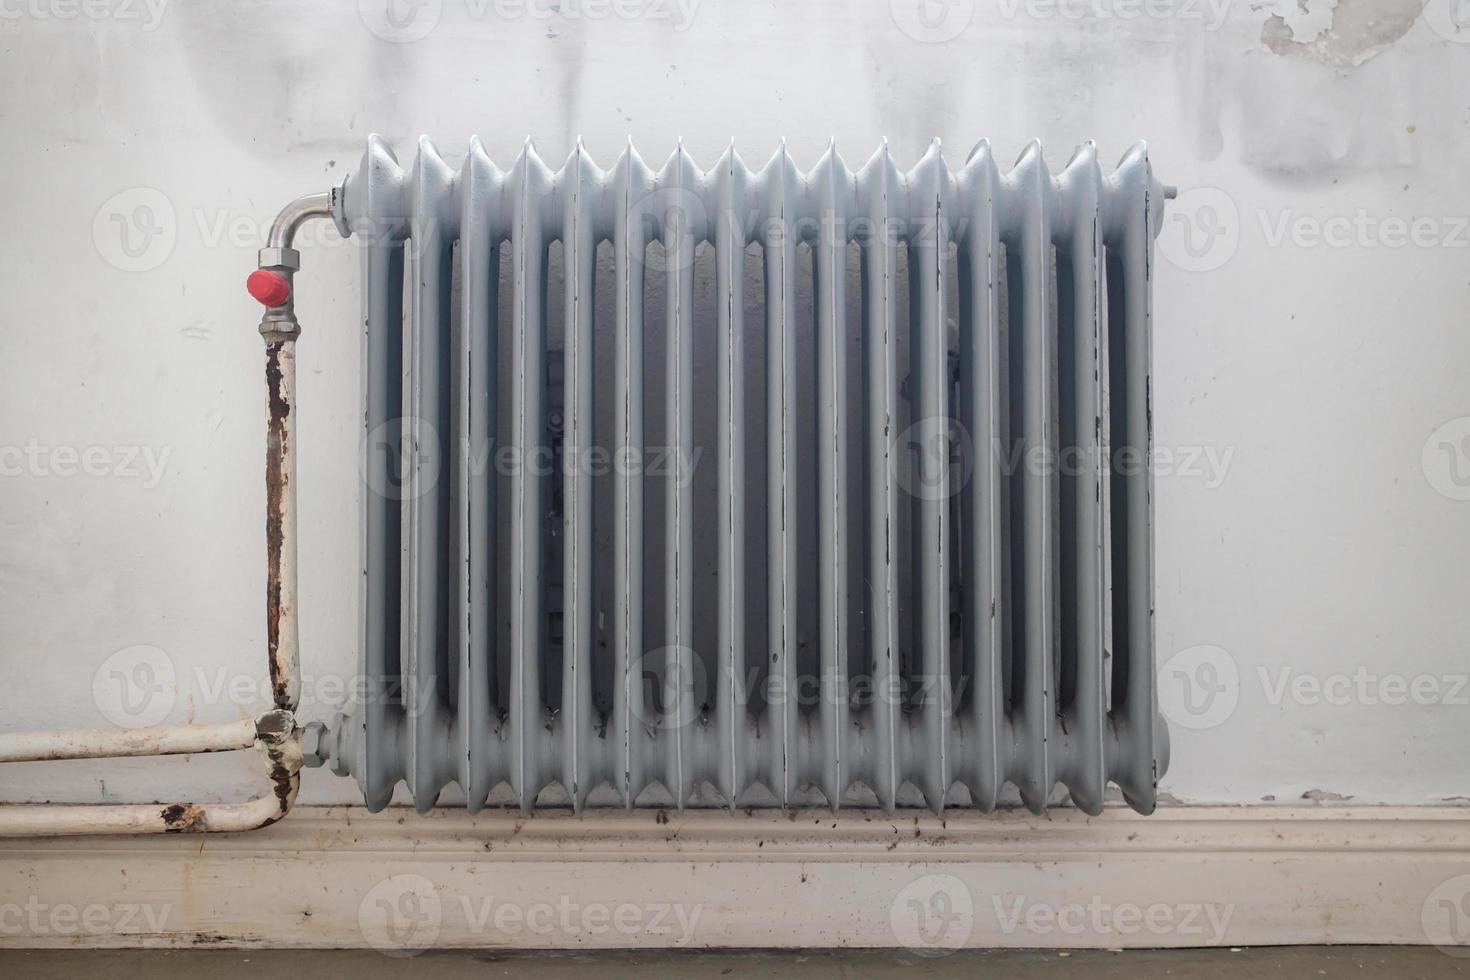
(59, 820)
(111, 743)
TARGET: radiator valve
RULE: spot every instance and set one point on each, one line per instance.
(269, 287)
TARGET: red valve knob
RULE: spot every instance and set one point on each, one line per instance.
(270, 288)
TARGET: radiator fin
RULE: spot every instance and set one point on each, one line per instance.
(630, 245)
(1132, 215)
(579, 238)
(880, 329)
(833, 189)
(425, 549)
(376, 760)
(781, 202)
(984, 604)
(930, 458)
(1081, 424)
(528, 411)
(478, 362)
(731, 683)
(1033, 518)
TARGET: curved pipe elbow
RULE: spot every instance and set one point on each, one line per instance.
(294, 215)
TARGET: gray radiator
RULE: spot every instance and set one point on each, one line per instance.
(899, 549)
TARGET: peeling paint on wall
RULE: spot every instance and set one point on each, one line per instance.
(1338, 32)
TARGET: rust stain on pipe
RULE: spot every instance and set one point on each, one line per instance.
(277, 452)
(276, 737)
(279, 740)
(183, 818)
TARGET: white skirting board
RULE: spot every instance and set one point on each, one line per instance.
(341, 877)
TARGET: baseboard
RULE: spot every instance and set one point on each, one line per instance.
(340, 877)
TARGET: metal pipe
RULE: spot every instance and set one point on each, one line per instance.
(52, 820)
(112, 743)
(275, 734)
(282, 635)
(280, 329)
(294, 215)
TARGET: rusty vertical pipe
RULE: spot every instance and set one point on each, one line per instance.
(282, 636)
(278, 263)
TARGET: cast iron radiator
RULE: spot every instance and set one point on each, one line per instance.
(755, 487)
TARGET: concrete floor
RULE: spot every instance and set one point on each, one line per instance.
(1281, 963)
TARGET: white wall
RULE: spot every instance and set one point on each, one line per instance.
(1325, 537)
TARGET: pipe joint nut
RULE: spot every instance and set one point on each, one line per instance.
(278, 326)
(280, 257)
(315, 745)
